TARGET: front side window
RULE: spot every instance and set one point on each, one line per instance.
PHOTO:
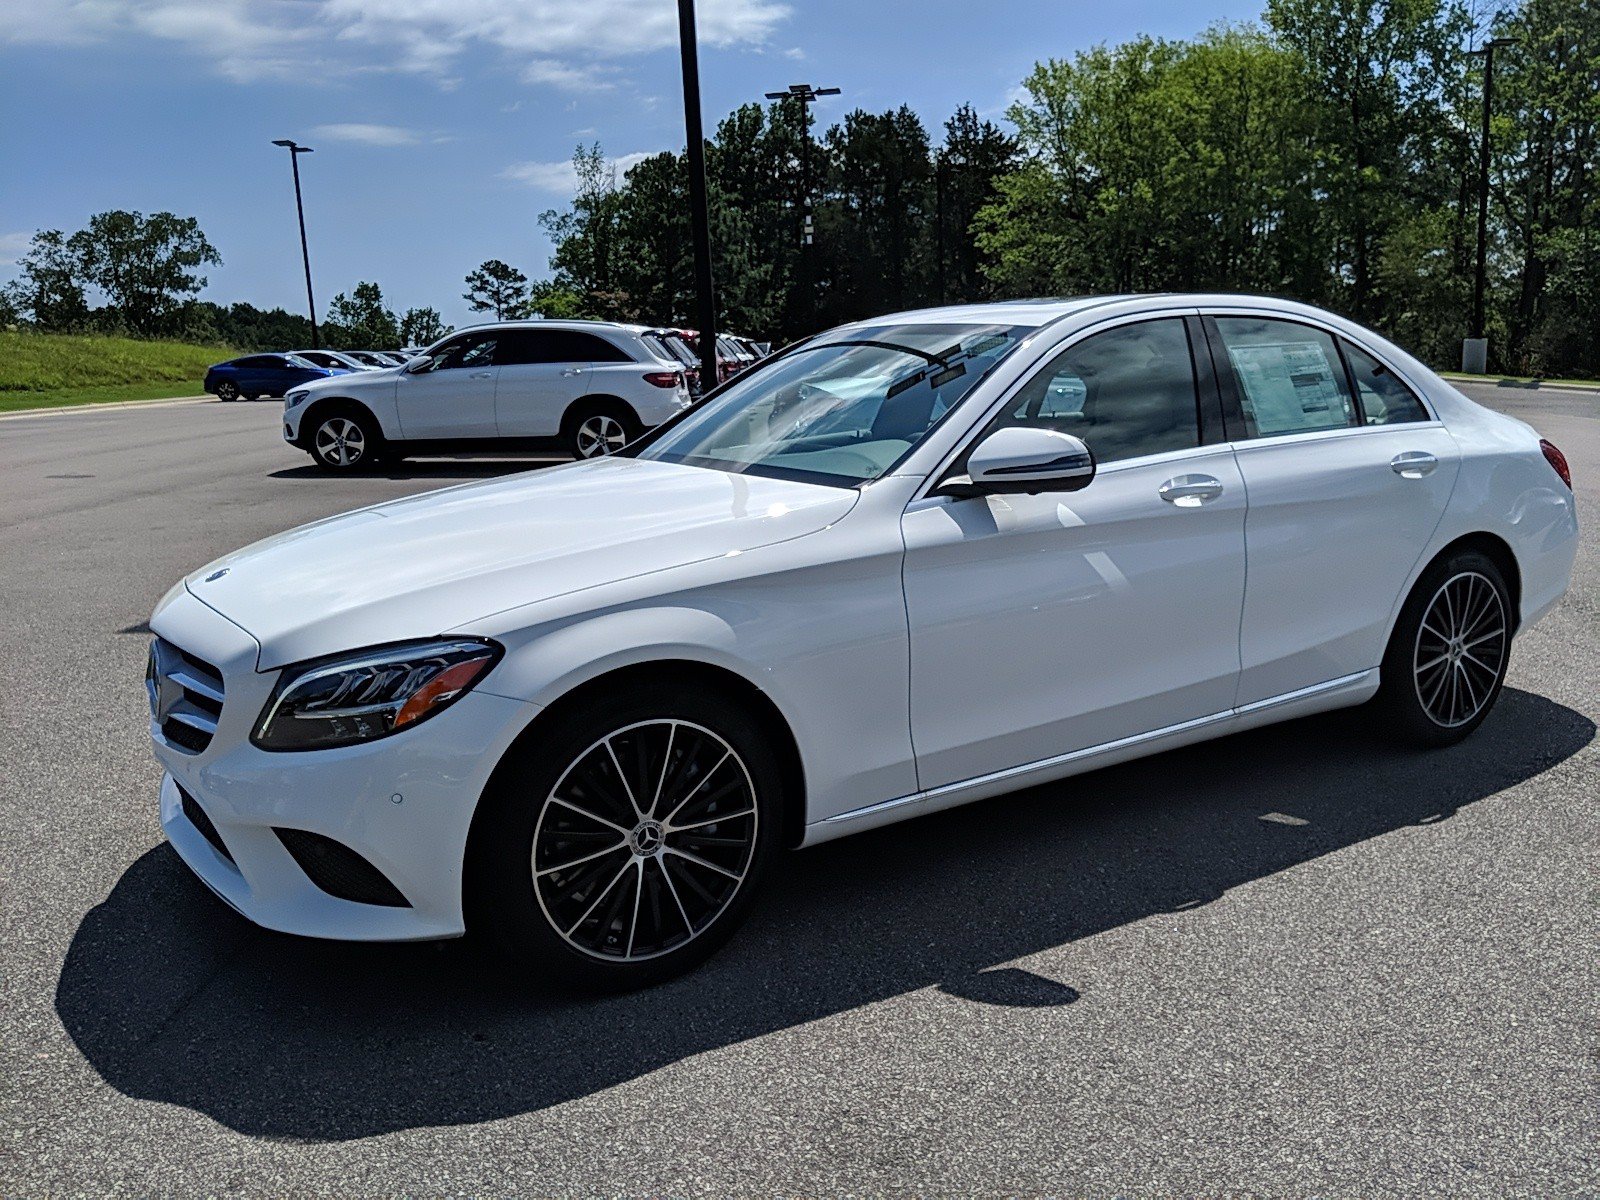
(839, 411)
(1289, 375)
(473, 350)
(1384, 399)
(1127, 392)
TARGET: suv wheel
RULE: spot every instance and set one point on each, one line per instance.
(595, 430)
(626, 844)
(345, 439)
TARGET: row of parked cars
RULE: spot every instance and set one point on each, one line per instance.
(585, 387)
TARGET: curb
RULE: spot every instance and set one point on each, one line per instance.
(103, 405)
(1511, 384)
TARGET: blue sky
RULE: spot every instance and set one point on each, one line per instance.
(442, 128)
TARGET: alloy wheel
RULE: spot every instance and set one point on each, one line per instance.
(645, 840)
(340, 442)
(227, 391)
(600, 434)
(1460, 650)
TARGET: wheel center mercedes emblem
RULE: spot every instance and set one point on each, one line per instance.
(647, 838)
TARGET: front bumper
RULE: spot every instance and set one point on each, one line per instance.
(403, 803)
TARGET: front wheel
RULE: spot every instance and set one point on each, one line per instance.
(227, 392)
(1448, 655)
(345, 440)
(625, 845)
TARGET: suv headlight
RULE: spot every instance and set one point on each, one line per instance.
(295, 398)
(370, 694)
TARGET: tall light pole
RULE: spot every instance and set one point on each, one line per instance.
(1475, 350)
(699, 219)
(806, 94)
(295, 151)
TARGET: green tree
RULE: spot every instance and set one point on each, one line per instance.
(497, 287)
(360, 320)
(422, 327)
(974, 155)
(548, 299)
(51, 289)
(145, 266)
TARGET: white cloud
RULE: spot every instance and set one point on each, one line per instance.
(554, 42)
(367, 135)
(560, 178)
(12, 247)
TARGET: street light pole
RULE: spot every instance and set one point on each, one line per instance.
(1475, 350)
(807, 95)
(699, 218)
(295, 151)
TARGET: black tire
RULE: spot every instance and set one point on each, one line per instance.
(227, 391)
(603, 422)
(344, 439)
(251, 396)
(581, 928)
(1447, 658)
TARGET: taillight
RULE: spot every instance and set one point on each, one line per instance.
(1557, 460)
(664, 379)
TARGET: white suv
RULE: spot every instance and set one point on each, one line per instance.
(583, 386)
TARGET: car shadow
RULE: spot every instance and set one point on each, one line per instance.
(173, 998)
(431, 468)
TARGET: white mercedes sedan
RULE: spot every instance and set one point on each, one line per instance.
(906, 564)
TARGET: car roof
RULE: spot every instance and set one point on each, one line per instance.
(1034, 313)
(578, 324)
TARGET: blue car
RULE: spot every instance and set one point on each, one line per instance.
(262, 375)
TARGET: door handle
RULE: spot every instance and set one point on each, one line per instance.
(480, 375)
(573, 371)
(1190, 491)
(1413, 464)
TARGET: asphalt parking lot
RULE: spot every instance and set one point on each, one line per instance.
(1293, 961)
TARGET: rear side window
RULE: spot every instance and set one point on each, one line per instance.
(1384, 399)
(520, 346)
(258, 361)
(1290, 378)
(1127, 392)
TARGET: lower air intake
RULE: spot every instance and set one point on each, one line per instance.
(197, 817)
(339, 870)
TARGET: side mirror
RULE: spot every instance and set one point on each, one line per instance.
(1025, 459)
(417, 365)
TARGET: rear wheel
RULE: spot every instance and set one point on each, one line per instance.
(227, 391)
(626, 844)
(598, 428)
(345, 439)
(1448, 655)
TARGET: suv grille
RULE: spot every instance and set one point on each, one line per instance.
(185, 696)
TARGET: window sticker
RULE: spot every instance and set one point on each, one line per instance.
(1289, 387)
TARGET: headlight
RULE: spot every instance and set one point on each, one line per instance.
(370, 694)
(294, 398)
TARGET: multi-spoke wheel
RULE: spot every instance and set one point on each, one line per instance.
(227, 391)
(344, 440)
(594, 429)
(622, 844)
(1448, 655)
(1461, 647)
(645, 839)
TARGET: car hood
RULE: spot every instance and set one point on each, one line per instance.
(420, 566)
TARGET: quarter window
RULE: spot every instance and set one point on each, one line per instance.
(1384, 399)
(1289, 375)
(1127, 392)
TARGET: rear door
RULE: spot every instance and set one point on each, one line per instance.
(1347, 474)
(453, 398)
(542, 371)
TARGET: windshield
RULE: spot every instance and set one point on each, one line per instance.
(842, 410)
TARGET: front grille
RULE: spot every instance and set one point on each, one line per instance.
(197, 818)
(185, 696)
(339, 870)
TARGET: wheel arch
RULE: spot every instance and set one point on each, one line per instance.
(681, 672)
(1490, 545)
(591, 400)
(323, 406)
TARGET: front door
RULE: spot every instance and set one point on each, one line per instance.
(454, 397)
(1046, 624)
